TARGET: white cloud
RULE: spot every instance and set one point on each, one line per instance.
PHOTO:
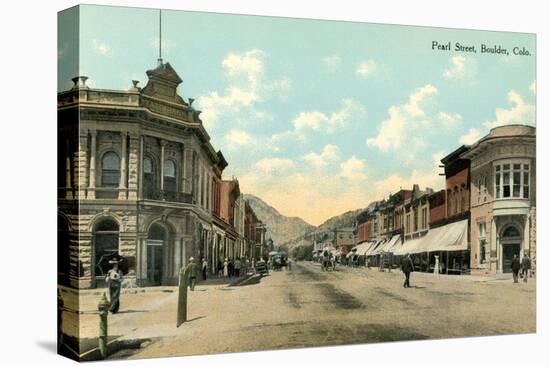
(449, 119)
(521, 113)
(236, 138)
(366, 68)
(319, 121)
(274, 165)
(403, 120)
(332, 61)
(533, 87)
(101, 48)
(328, 154)
(248, 87)
(461, 68)
(250, 65)
(470, 137)
(353, 168)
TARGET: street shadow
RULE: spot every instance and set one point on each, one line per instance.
(198, 290)
(48, 345)
(196, 318)
(417, 287)
(132, 311)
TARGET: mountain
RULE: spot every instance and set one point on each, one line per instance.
(280, 228)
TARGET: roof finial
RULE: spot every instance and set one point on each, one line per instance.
(159, 61)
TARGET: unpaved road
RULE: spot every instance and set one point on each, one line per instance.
(307, 307)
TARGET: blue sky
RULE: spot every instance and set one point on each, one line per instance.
(315, 117)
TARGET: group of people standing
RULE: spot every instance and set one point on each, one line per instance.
(524, 266)
(231, 268)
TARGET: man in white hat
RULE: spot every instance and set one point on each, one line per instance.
(114, 282)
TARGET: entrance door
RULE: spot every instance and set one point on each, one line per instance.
(508, 252)
(155, 255)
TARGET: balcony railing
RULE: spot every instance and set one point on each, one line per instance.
(161, 195)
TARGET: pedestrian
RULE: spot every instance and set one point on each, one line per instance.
(226, 268)
(515, 267)
(525, 266)
(192, 273)
(114, 282)
(230, 269)
(204, 268)
(220, 268)
(237, 267)
(407, 267)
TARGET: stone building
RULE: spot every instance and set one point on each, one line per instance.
(136, 178)
(503, 200)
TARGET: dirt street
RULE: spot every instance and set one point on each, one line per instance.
(307, 307)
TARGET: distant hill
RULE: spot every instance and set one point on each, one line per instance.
(280, 228)
(290, 232)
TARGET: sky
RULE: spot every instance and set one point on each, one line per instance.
(314, 117)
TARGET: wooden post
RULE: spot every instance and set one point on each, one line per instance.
(103, 309)
(182, 296)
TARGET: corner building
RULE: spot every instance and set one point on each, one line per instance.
(503, 198)
(136, 178)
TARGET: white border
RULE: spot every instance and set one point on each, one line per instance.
(28, 152)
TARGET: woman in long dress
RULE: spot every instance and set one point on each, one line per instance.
(226, 268)
(114, 282)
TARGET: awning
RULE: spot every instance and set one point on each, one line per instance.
(450, 237)
(388, 245)
(410, 247)
(374, 247)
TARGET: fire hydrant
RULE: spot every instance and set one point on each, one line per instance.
(103, 308)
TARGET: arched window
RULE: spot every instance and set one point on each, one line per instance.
(110, 170)
(511, 231)
(148, 178)
(456, 201)
(170, 176)
(105, 245)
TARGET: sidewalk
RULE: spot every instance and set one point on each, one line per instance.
(431, 276)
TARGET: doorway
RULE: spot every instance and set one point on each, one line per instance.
(156, 242)
(508, 252)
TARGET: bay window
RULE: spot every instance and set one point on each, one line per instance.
(511, 180)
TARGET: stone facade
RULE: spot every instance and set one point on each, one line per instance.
(137, 179)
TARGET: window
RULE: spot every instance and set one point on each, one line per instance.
(462, 199)
(506, 181)
(415, 219)
(526, 181)
(482, 243)
(512, 180)
(148, 178)
(170, 176)
(456, 201)
(408, 224)
(424, 218)
(517, 180)
(449, 200)
(110, 170)
(497, 182)
(479, 191)
(484, 188)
